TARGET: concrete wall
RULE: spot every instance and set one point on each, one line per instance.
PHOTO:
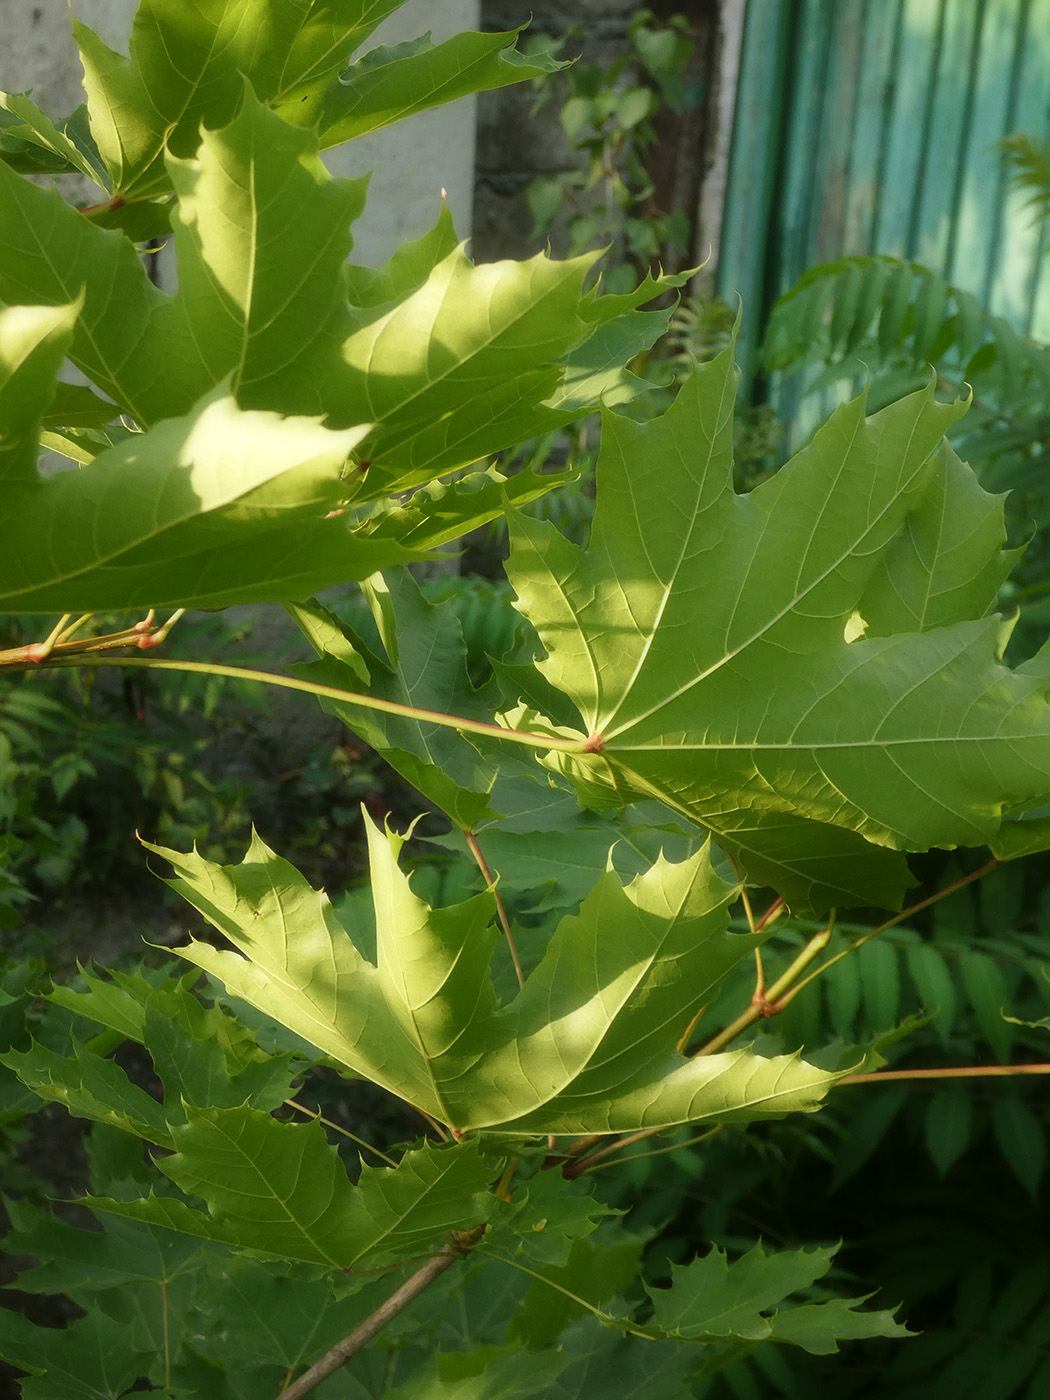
(38, 50)
(516, 145)
(415, 160)
(412, 161)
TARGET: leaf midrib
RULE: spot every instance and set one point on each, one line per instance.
(728, 390)
(759, 633)
(316, 1241)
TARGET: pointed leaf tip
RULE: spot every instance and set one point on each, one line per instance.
(587, 1046)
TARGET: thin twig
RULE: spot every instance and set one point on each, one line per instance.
(438, 1128)
(502, 1189)
(768, 1003)
(62, 648)
(771, 915)
(372, 1326)
(687, 1034)
(610, 1319)
(659, 1151)
(959, 884)
(747, 908)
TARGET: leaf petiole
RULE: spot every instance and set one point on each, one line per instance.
(338, 1355)
(769, 1002)
(589, 1163)
(621, 1323)
(657, 1151)
(917, 908)
(548, 742)
(316, 1113)
(947, 1072)
(491, 880)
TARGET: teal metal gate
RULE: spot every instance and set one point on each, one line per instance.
(871, 126)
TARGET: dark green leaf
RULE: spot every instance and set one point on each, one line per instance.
(546, 1216)
(983, 979)
(1021, 1136)
(949, 1126)
(935, 985)
(427, 671)
(280, 1189)
(711, 1299)
(93, 1358)
(90, 1087)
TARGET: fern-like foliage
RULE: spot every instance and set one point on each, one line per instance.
(1031, 169)
(889, 324)
(888, 319)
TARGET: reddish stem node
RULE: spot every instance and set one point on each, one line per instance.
(106, 206)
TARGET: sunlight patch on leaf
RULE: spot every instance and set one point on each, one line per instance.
(587, 1046)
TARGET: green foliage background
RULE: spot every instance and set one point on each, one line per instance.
(809, 671)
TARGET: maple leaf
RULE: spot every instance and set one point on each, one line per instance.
(281, 1189)
(711, 1300)
(587, 1046)
(217, 506)
(810, 671)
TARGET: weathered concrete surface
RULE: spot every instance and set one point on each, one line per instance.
(412, 161)
(515, 144)
(38, 50)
